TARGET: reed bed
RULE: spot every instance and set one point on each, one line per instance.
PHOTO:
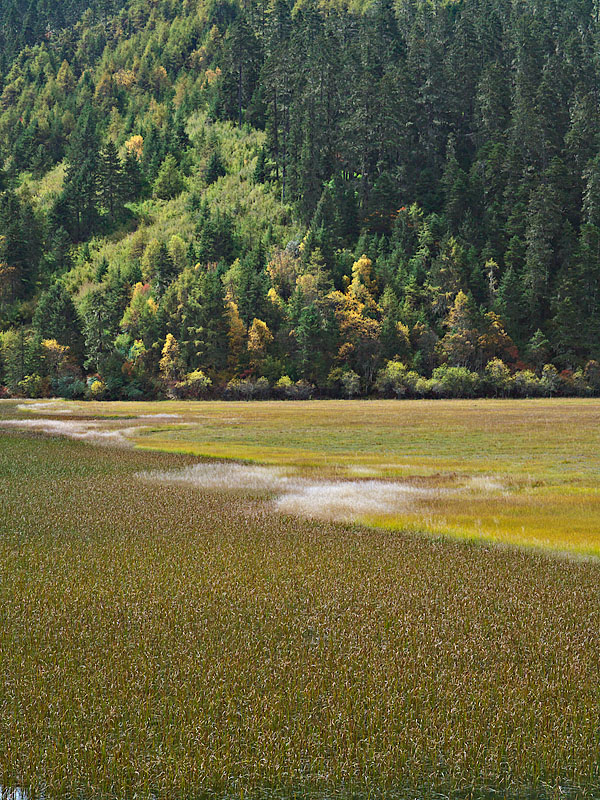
(166, 641)
(520, 472)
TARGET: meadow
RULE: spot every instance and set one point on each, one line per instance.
(522, 472)
(167, 637)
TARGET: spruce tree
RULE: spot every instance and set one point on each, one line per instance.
(56, 318)
(111, 181)
(77, 207)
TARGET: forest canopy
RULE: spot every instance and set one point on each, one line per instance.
(268, 199)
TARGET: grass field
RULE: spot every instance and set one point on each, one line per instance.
(169, 641)
(518, 472)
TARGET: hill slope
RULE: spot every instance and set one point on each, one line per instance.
(307, 193)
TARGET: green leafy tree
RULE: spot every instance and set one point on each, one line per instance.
(133, 181)
(215, 168)
(158, 268)
(169, 181)
(538, 349)
(77, 207)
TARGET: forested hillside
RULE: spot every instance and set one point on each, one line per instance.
(270, 199)
(29, 22)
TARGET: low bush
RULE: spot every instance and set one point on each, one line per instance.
(247, 389)
(34, 386)
(195, 386)
(396, 380)
(455, 382)
(527, 384)
(69, 387)
(286, 389)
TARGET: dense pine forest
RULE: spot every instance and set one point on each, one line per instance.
(206, 198)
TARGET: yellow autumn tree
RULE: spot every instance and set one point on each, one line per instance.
(160, 79)
(283, 269)
(170, 362)
(104, 93)
(237, 330)
(356, 314)
(315, 282)
(139, 314)
(125, 78)
(65, 78)
(363, 286)
(259, 338)
(275, 299)
(56, 356)
(459, 346)
(360, 334)
(135, 145)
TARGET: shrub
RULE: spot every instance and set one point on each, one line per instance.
(114, 385)
(581, 387)
(574, 383)
(287, 390)
(424, 387)
(527, 384)
(132, 391)
(350, 383)
(96, 388)
(284, 388)
(498, 380)
(33, 386)
(343, 382)
(592, 375)
(303, 390)
(262, 389)
(247, 389)
(195, 385)
(455, 382)
(550, 380)
(334, 381)
(395, 379)
(69, 387)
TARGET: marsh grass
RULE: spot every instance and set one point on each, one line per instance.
(170, 641)
(525, 473)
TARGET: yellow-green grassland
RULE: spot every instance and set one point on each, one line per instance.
(523, 472)
(169, 631)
